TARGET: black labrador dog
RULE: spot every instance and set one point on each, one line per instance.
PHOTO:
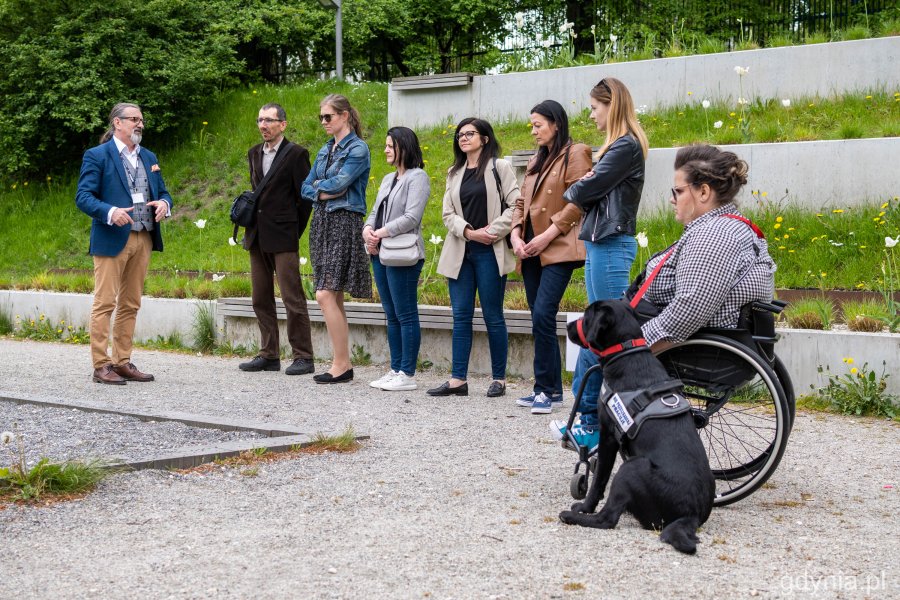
(665, 482)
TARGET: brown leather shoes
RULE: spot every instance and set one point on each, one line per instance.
(106, 374)
(129, 372)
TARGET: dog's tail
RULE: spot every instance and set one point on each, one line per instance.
(681, 533)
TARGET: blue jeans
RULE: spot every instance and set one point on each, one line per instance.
(544, 288)
(398, 287)
(479, 272)
(606, 278)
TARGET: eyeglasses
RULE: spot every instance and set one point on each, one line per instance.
(267, 120)
(677, 190)
(135, 120)
(327, 117)
(466, 134)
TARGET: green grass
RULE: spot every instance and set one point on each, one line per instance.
(209, 167)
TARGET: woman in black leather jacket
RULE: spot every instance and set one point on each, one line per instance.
(608, 196)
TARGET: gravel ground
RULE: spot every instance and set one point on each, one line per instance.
(448, 499)
(70, 434)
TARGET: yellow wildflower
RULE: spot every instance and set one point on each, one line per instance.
(823, 274)
(791, 228)
(779, 219)
(885, 205)
(782, 247)
(854, 370)
(838, 211)
(868, 97)
(731, 114)
(764, 194)
(777, 225)
(848, 360)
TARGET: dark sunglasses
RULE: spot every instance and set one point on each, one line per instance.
(677, 190)
(327, 117)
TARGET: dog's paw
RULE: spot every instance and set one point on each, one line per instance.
(568, 517)
(580, 507)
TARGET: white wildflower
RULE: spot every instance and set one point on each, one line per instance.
(705, 104)
(786, 103)
(593, 30)
(232, 241)
(718, 124)
(6, 437)
(520, 20)
(891, 242)
(200, 223)
(436, 239)
(547, 43)
(741, 71)
(613, 37)
(217, 278)
(834, 243)
(642, 109)
(641, 238)
(742, 101)
(303, 261)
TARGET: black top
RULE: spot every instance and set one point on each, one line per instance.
(473, 197)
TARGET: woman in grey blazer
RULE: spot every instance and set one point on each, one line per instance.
(398, 210)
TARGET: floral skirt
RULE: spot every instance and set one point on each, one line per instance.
(339, 260)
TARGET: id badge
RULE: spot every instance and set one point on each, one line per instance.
(137, 198)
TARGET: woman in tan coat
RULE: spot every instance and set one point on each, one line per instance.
(545, 238)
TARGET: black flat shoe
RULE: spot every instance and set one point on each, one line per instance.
(327, 377)
(445, 390)
(496, 389)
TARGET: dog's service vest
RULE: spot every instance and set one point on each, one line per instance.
(630, 410)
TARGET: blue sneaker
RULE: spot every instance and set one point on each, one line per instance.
(585, 435)
(542, 405)
(528, 401)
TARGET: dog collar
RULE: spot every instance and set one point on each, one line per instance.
(626, 345)
(579, 326)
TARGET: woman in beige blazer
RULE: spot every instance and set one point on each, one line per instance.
(476, 256)
(545, 238)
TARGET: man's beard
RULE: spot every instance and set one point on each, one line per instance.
(136, 137)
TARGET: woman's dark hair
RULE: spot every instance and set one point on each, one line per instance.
(722, 171)
(490, 150)
(556, 114)
(407, 151)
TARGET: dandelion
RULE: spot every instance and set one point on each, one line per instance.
(860, 286)
(823, 274)
(205, 123)
(786, 102)
(765, 194)
(779, 219)
(741, 71)
(837, 211)
(786, 236)
(885, 205)
(868, 97)
(232, 241)
(782, 247)
(254, 91)
(303, 261)
(6, 437)
(718, 124)
(48, 178)
(425, 148)
(777, 225)
(732, 114)
(854, 370)
(436, 239)
(641, 238)
(705, 104)
(690, 93)
(810, 105)
(200, 223)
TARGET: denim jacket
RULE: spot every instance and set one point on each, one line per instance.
(347, 174)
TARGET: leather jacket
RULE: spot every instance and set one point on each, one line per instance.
(610, 198)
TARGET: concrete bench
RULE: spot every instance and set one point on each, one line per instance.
(363, 313)
(407, 84)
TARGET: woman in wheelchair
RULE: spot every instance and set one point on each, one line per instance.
(720, 263)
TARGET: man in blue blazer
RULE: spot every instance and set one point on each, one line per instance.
(120, 187)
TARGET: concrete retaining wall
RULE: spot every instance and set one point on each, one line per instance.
(812, 175)
(802, 351)
(789, 72)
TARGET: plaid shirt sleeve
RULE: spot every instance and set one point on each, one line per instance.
(717, 266)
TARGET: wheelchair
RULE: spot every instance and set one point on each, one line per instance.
(742, 401)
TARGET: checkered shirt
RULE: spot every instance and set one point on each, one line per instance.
(717, 266)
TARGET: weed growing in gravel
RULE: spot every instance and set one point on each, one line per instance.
(360, 357)
(204, 327)
(344, 442)
(46, 478)
(43, 329)
(860, 392)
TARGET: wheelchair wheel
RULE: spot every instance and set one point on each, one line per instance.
(787, 385)
(740, 408)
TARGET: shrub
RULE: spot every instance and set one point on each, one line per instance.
(810, 313)
(860, 392)
(867, 315)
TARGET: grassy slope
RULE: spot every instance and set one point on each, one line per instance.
(42, 229)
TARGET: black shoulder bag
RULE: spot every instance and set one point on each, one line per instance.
(243, 208)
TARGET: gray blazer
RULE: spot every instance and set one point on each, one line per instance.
(405, 206)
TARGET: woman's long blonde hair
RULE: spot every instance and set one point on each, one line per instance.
(621, 119)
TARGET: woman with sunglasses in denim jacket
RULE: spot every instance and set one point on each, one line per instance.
(336, 186)
(545, 239)
(609, 196)
(398, 210)
(476, 257)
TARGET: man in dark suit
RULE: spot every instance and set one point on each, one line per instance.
(121, 188)
(274, 243)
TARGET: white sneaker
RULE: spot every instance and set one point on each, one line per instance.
(400, 382)
(384, 378)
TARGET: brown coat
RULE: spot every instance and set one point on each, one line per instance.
(542, 200)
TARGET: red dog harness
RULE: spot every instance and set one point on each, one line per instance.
(621, 347)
